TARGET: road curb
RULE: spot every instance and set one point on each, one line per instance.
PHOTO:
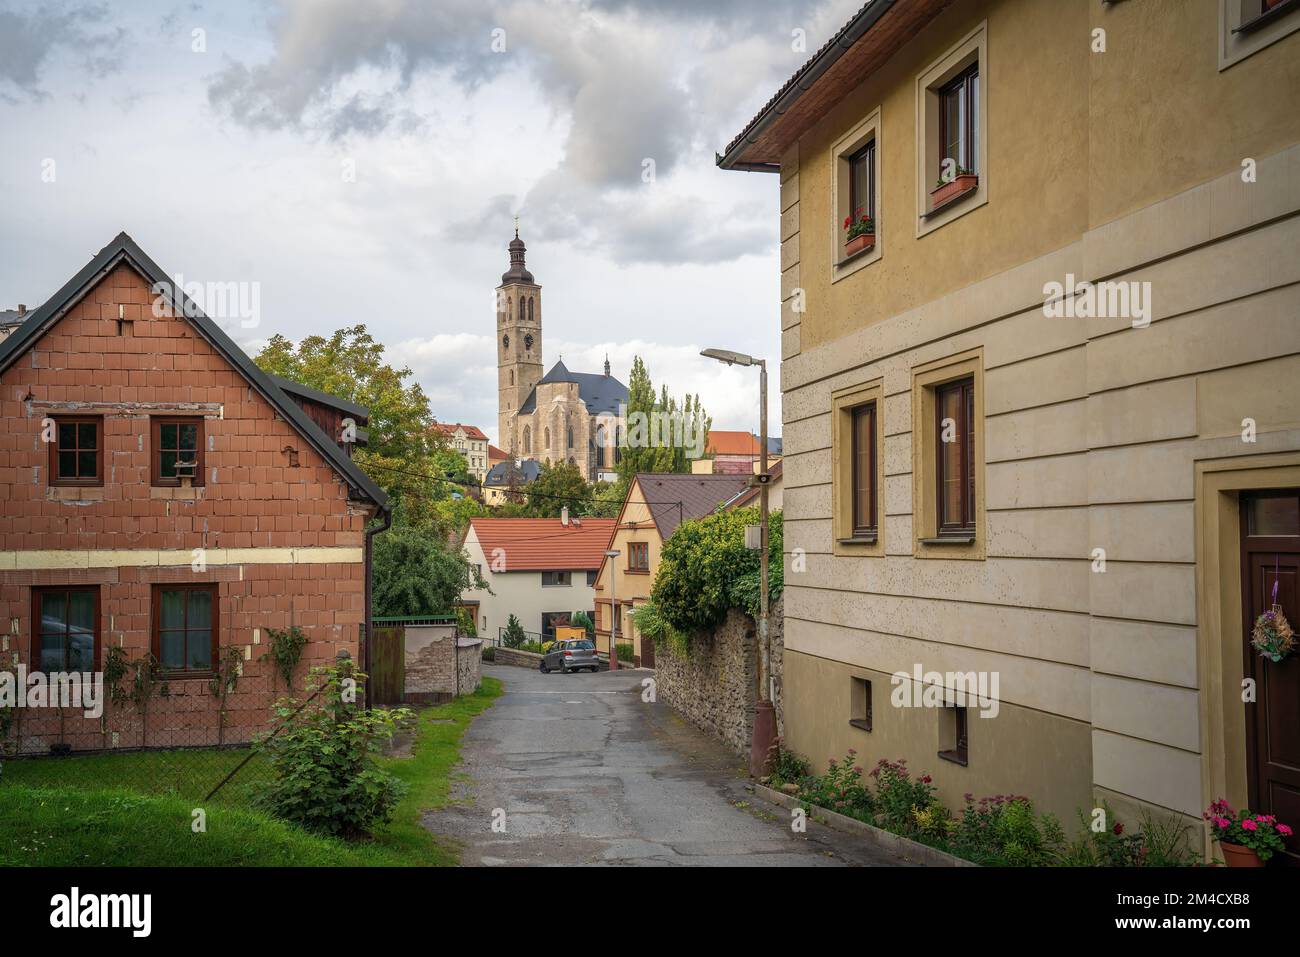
(895, 844)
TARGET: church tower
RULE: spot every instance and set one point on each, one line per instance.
(519, 344)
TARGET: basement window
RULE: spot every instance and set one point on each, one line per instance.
(860, 704)
(956, 742)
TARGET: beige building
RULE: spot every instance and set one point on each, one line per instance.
(563, 416)
(1088, 496)
(471, 443)
(656, 503)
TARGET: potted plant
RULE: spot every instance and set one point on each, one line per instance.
(1246, 839)
(962, 181)
(859, 233)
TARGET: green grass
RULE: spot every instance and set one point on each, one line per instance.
(188, 774)
(135, 809)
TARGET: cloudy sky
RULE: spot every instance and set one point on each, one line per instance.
(362, 161)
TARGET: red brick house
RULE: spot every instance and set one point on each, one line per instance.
(160, 494)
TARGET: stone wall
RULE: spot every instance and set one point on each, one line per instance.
(715, 685)
(469, 659)
(513, 656)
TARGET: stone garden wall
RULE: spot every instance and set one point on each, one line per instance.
(715, 685)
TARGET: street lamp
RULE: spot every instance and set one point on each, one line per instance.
(612, 554)
(764, 712)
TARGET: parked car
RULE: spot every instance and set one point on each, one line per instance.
(571, 655)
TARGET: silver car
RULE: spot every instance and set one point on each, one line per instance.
(573, 654)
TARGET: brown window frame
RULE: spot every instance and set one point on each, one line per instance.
(871, 527)
(867, 153)
(156, 450)
(36, 652)
(560, 578)
(155, 629)
(98, 478)
(959, 753)
(638, 548)
(965, 526)
(969, 93)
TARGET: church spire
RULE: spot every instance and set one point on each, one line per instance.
(606, 365)
(517, 272)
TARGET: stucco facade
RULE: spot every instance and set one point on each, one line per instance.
(1120, 671)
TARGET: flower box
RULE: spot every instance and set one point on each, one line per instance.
(945, 191)
(859, 243)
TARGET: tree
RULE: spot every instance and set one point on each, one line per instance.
(607, 498)
(403, 455)
(417, 572)
(558, 485)
(644, 446)
(514, 635)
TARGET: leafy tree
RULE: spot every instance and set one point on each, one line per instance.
(705, 570)
(641, 449)
(418, 572)
(607, 498)
(581, 619)
(402, 453)
(558, 485)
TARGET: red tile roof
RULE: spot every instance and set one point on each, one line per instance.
(472, 431)
(732, 443)
(544, 544)
(495, 454)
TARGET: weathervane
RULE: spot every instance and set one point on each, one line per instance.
(516, 225)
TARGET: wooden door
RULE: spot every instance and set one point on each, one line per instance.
(387, 665)
(1271, 566)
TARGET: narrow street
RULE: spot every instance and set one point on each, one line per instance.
(582, 771)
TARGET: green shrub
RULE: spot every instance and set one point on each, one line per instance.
(842, 789)
(489, 653)
(624, 652)
(704, 569)
(514, 635)
(787, 766)
(326, 778)
(899, 795)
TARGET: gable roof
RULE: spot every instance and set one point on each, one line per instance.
(525, 472)
(544, 544)
(471, 431)
(123, 249)
(674, 497)
(495, 454)
(600, 393)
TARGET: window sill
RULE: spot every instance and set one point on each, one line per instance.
(636, 571)
(1267, 17)
(165, 675)
(870, 539)
(956, 757)
(965, 539)
(951, 201)
(860, 724)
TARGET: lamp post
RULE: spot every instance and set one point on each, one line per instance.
(764, 711)
(612, 554)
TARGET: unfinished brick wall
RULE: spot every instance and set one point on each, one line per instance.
(126, 535)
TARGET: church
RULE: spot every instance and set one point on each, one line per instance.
(561, 416)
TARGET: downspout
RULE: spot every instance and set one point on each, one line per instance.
(387, 512)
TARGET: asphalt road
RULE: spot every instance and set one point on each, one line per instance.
(578, 769)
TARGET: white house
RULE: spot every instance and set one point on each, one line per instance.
(541, 570)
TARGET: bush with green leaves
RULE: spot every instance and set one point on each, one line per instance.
(842, 789)
(625, 652)
(705, 570)
(323, 755)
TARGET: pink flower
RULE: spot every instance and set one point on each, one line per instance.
(1221, 822)
(1284, 830)
(925, 779)
(1118, 828)
(1249, 825)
